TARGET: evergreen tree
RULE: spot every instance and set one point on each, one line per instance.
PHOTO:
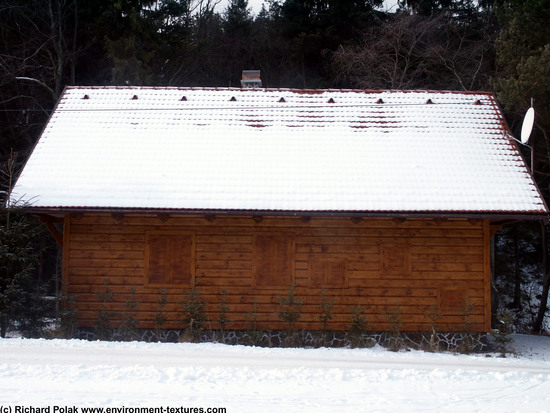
(237, 16)
(523, 57)
(18, 257)
(313, 27)
(17, 260)
(237, 37)
(523, 52)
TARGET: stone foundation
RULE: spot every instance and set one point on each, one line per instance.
(462, 342)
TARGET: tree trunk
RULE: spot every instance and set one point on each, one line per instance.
(517, 272)
(537, 327)
(74, 53)
(57, 36)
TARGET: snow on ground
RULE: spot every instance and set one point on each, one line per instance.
(41, 373)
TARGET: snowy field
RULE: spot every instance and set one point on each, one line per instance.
(74, 374)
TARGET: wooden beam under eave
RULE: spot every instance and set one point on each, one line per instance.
(55, 233)
(163, 217)
(493, 229)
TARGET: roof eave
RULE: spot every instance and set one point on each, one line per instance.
(490, 215)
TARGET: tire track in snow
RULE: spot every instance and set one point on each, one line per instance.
(218, 355)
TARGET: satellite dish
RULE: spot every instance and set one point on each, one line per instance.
(527, 127)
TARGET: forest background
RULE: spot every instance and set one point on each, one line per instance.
(501, 46)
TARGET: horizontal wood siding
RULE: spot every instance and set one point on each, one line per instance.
(414, 266)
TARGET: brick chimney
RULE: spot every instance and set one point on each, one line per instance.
(251, 79)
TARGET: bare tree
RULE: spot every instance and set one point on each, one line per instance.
(39, 50)
(413, 51)
(391, 56)
(49, 47)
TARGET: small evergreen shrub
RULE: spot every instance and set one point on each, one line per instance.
(291, 312)
(395, 339)
(103, 328)
(358, 329)
(159, 314)
(325, 308)
(501, 334)
(291, 308)
(467, 343)
(68, 320)
(254, 335)
(223, 308)
(128, 329)
(193, 315)
(431, 342)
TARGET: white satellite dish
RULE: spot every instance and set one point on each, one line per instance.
(527, 127)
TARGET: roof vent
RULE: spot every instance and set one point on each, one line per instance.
(331, 100)
(379, 101)
(429, 102)
(477, 102)
(251, 79)
(86, 97)
(233, 99)
(183, 99)
(282, 100)
(135, 97)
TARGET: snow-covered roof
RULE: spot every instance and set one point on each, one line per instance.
(285, 150)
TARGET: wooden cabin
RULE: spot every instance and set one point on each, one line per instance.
(383, 199)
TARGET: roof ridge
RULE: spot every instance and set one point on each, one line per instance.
(280, 89)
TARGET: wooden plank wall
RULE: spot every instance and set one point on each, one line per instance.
(445, 262)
